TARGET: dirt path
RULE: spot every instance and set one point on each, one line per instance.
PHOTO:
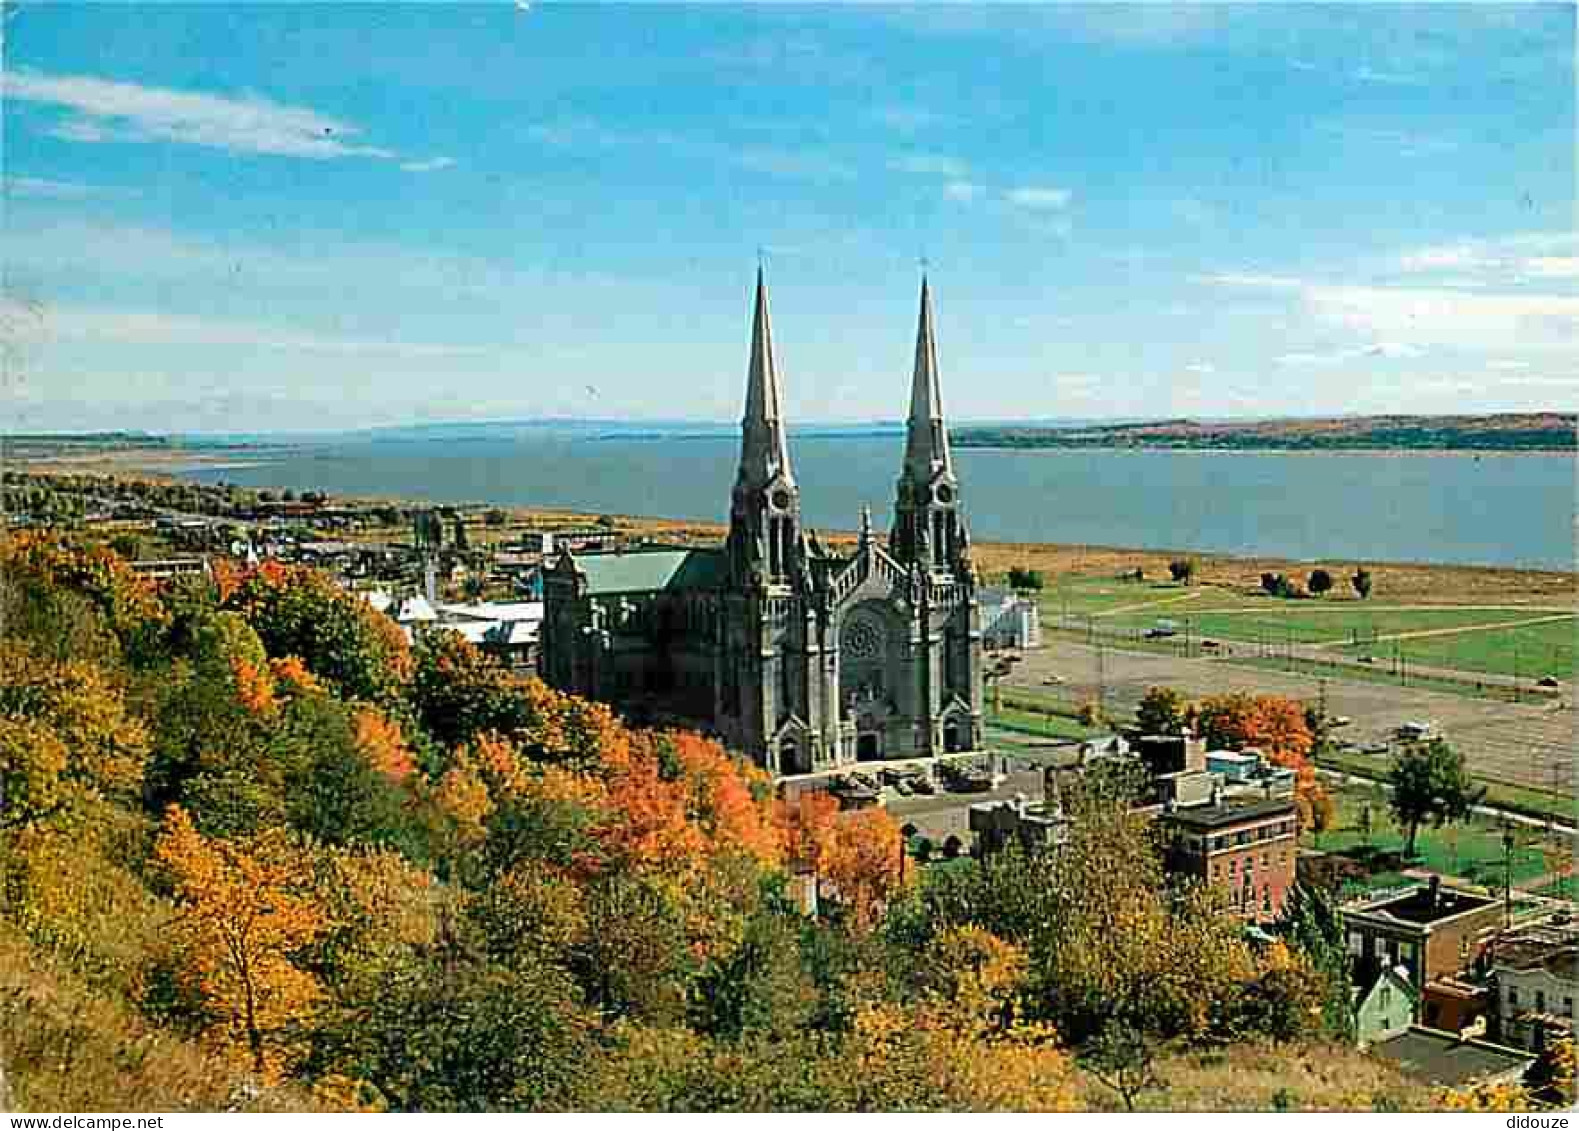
(1149, 604)
(1420, 634)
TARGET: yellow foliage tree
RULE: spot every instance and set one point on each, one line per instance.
(244, 908)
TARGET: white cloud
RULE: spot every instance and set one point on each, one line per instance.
(962, 191)
(1037, 197)
(432, 165)
(1508, 260)
(1471, 318)
(1386, 350)
(137, 327)
(929, 165)
(1201, 367)
(42, 188)
(1507, 366)
(109, 111)
(1250, 281)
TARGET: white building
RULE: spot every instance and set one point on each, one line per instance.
(1008, 620)
(1537, 984)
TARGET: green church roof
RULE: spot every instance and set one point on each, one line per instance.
(646, 571)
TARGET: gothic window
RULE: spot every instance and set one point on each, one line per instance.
(863, 641)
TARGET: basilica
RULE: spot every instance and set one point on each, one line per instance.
(804, 659)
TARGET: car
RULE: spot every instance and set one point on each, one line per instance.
(1160, 633)
(902, 787)
(1367, 659)
(1052, 680)
(1547, 681)
(1339, 721)
(923, 784)
(1210, 645)
(1375, 748)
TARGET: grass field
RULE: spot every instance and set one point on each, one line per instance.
(1538, 803)
(1473, 638)
(1530, 650)
(1471, 850)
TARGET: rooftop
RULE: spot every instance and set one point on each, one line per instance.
(647, 571)
(1527, 954)
(1230, 811)
(1443, 1059)
(1427, 904)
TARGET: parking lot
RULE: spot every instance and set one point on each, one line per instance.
(1525, 744)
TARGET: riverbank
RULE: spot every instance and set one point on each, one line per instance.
(1423, 583)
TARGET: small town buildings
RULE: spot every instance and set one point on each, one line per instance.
(1536, 984)
(1033, 825)
(1244, 846)
(1456, 1005)
(1448, 1060)
(1385, 1008)
(1433, 931)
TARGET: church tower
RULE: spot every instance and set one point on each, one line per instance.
(764, 512)
(763, 678)
(929, 530)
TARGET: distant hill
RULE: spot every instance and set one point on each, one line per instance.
(1510, 432)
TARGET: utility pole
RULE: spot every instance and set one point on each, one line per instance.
(1507, 872)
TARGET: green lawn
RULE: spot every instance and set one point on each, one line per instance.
(1471, 850)
(1315, 622)
(1038, 723)
(1531, 651)
(1517, 799)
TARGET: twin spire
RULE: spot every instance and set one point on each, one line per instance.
(926, 439)
(764, 450)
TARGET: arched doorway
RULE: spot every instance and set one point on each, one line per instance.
(953, 737)
(868, 747)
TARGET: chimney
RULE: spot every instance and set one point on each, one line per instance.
(1434, 891)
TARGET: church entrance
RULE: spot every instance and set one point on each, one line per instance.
(951, 738)
(868, 748)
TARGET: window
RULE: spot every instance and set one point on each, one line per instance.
(1513, 996)
(1540, 1001)
(1387, 996)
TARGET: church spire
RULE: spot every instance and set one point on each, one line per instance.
(926, 438)
(928, 524)
(764, 453)
(765, 544)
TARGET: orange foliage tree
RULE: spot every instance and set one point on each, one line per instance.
(1275, 725)
(860, 853)
(299, 611)
(67, 727)
(244, 909)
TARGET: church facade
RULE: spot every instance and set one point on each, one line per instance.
(803, 659)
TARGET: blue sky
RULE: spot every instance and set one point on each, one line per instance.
(221, 217)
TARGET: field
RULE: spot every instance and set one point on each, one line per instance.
(1472, 850)
(1528, 745)
(1514, 638)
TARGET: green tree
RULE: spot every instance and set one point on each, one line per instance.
(1361, 582)
(1182, 570)
(1430, 783)
(1320, 582)
(1312, 927)
(1161, 711)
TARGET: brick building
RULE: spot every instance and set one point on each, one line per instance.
(1244, 846)
(1435, 932)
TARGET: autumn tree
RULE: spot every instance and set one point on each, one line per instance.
(244, 910)
(859, 853)
(298, 611)
(66, 729)
(1277, 726)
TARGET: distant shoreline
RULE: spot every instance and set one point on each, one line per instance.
(167, 465)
